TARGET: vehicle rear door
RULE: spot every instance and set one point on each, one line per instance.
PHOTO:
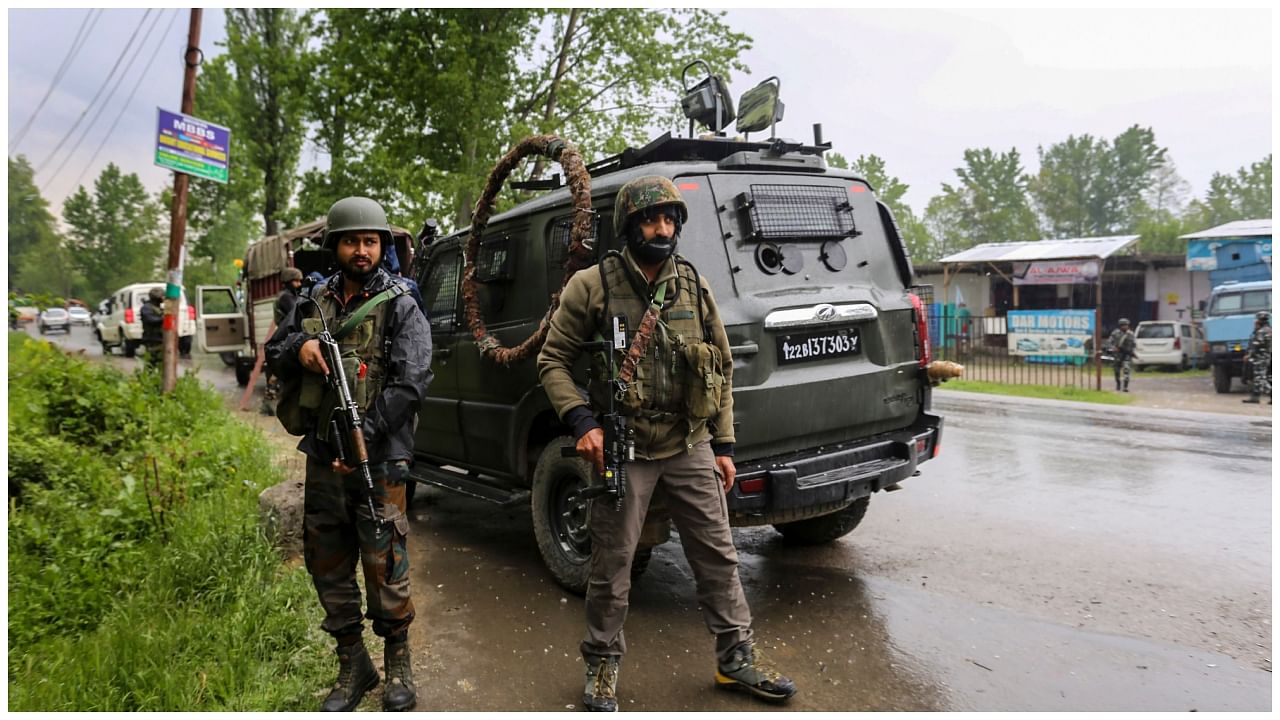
(1155, 339)
(220, 321)
(811, 282)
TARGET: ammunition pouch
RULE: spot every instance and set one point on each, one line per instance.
(704, 382)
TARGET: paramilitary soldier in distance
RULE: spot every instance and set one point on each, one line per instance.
(1122, 343)
(152, 312)
(385, 344)
(677, 395)
(291, 279)
(1259, 356)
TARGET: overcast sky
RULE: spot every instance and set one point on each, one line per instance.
(916, 87)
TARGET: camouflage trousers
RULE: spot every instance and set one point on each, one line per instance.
(1124, 370)
(337, 531)
(1261, 384)
(154, 356)
(695, 498)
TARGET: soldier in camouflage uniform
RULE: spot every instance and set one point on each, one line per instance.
(682, 415)
(389, 356)
(152, 313)
(291, 279)
(1121, 342)
(1259, 356)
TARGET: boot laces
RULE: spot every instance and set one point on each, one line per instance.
(606, 679)
(398, 666)
(346, 670)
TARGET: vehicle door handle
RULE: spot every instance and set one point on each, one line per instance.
(744, 349)
(443, 352)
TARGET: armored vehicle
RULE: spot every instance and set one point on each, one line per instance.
(830, 347)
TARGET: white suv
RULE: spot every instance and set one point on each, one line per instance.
(1169, 342)
(120, 324)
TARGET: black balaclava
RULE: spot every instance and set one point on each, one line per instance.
(658, 249)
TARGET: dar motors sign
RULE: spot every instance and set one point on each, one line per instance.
(1050, 335)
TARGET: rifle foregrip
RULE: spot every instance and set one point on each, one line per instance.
(357, 440)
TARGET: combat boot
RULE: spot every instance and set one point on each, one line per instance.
(601, 691)
(356, 676)
(748, 671)
(399, 693)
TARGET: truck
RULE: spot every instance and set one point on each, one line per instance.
(235, 322)
(1228, 324)
(831, 355)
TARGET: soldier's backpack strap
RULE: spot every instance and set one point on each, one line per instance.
(697, 291)
(363, 311)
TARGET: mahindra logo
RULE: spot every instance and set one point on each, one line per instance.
(825, 312)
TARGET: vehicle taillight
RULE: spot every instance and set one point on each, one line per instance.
(1177, 343)
(128, 315)
(754, 485)
(191, 312)
(922, 330)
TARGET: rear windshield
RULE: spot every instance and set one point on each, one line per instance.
(55, 312)
(1155, 331)
(1241, 302)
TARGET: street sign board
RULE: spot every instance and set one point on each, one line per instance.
(190, 145)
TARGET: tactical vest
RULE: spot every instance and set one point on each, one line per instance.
(367, 345)
(679, 376)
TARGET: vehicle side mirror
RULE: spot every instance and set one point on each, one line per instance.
(761, 107)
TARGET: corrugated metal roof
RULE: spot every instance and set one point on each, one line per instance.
(1237, 229)
(1097, 247)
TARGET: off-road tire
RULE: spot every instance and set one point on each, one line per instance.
(562, 541)
(228, 358)
(825, 528)
(1221, 379)
(244, 371)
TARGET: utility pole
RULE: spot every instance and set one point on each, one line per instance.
(178, 219)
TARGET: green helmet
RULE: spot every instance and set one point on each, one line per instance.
(355, 213)
(156, 294)
(1263, 316)
(1124, 321)
(641, 194)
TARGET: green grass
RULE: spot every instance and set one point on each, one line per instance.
(1047, 392)
(138, 576)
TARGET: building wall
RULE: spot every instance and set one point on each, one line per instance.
(1174, 289)
(973, 288)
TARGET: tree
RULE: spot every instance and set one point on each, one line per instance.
(267, 50)
(31, 225)
(990, 203)
(1088, 187)
(116, 235)
(1244, 196)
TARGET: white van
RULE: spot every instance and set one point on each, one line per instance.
(1169, 343)
(120, 322)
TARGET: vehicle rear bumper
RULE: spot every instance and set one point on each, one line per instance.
(827, 478)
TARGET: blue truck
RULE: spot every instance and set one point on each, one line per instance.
(1228, 325)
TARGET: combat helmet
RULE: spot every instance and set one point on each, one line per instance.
(1124, 321)
(290, 274)
(156, 294)
(644, 193)
(1264, 316)
(355, 213)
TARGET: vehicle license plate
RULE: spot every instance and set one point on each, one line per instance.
(803, 347)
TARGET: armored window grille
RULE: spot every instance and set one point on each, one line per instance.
(493, 260)
(797, 212)
(441, 294)
(558, 243)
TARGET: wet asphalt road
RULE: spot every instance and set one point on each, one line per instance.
(1056, 556)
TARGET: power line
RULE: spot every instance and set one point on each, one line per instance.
(102, 87)
(110, 95)
(174, 16)
(76, 44)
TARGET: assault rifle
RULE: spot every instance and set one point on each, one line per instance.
(345, 427)
(619, 437)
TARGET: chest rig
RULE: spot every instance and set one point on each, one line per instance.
(363, 338)
(675, 368)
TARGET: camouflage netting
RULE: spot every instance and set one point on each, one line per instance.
(580, 250)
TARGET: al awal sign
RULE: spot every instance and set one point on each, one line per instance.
(1055, 272)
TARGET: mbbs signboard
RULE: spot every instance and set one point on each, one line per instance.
(191, 145)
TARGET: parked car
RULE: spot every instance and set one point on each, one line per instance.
(54, 319)
(79, 315)
(121, 325)
(1169, 343)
